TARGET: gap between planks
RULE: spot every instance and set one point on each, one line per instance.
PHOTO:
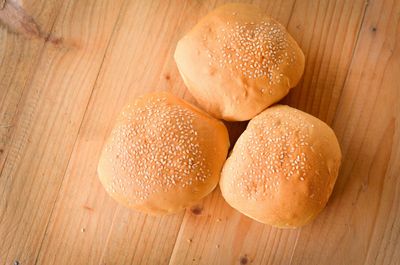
(360, 26)
(29, 83)
(352, 56)
(79, 129)
(90, 98)
(186, 211)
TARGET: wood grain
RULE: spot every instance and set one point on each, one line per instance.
(67, 67)
(367, 122)
(249, 240)
(19, 59)
(118, 225)
(48, 124)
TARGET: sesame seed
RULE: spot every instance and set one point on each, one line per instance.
(264, 45)
(156, 145)
(277, 144)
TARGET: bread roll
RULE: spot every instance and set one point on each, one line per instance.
(237, 61)
(162, 155)
(283, 168)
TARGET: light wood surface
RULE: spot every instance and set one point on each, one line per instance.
(67, 68)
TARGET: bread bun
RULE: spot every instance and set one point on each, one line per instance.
(237, 61)
(162, 155)
(283, 168)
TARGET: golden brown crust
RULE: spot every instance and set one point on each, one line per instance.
(162, 155)
(283, 168)
(236, 61)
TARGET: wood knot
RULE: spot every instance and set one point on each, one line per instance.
(244, 260)
(88, 208)
(57, 41)
(196, 210)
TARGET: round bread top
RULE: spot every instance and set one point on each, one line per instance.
(237, 61)
(283, 167)
(163, 154)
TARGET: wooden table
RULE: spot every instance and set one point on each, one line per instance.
(67, 68)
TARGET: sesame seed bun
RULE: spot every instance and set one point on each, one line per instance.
(162, 155)
(237, 61)
(283, 168)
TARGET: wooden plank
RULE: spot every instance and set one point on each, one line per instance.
(20, 52)
(362, 224)
(23, 34)
(327, 33)
(48, 123)
(133, 237)
(139, 60)
(329, 46)
(15, 74)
